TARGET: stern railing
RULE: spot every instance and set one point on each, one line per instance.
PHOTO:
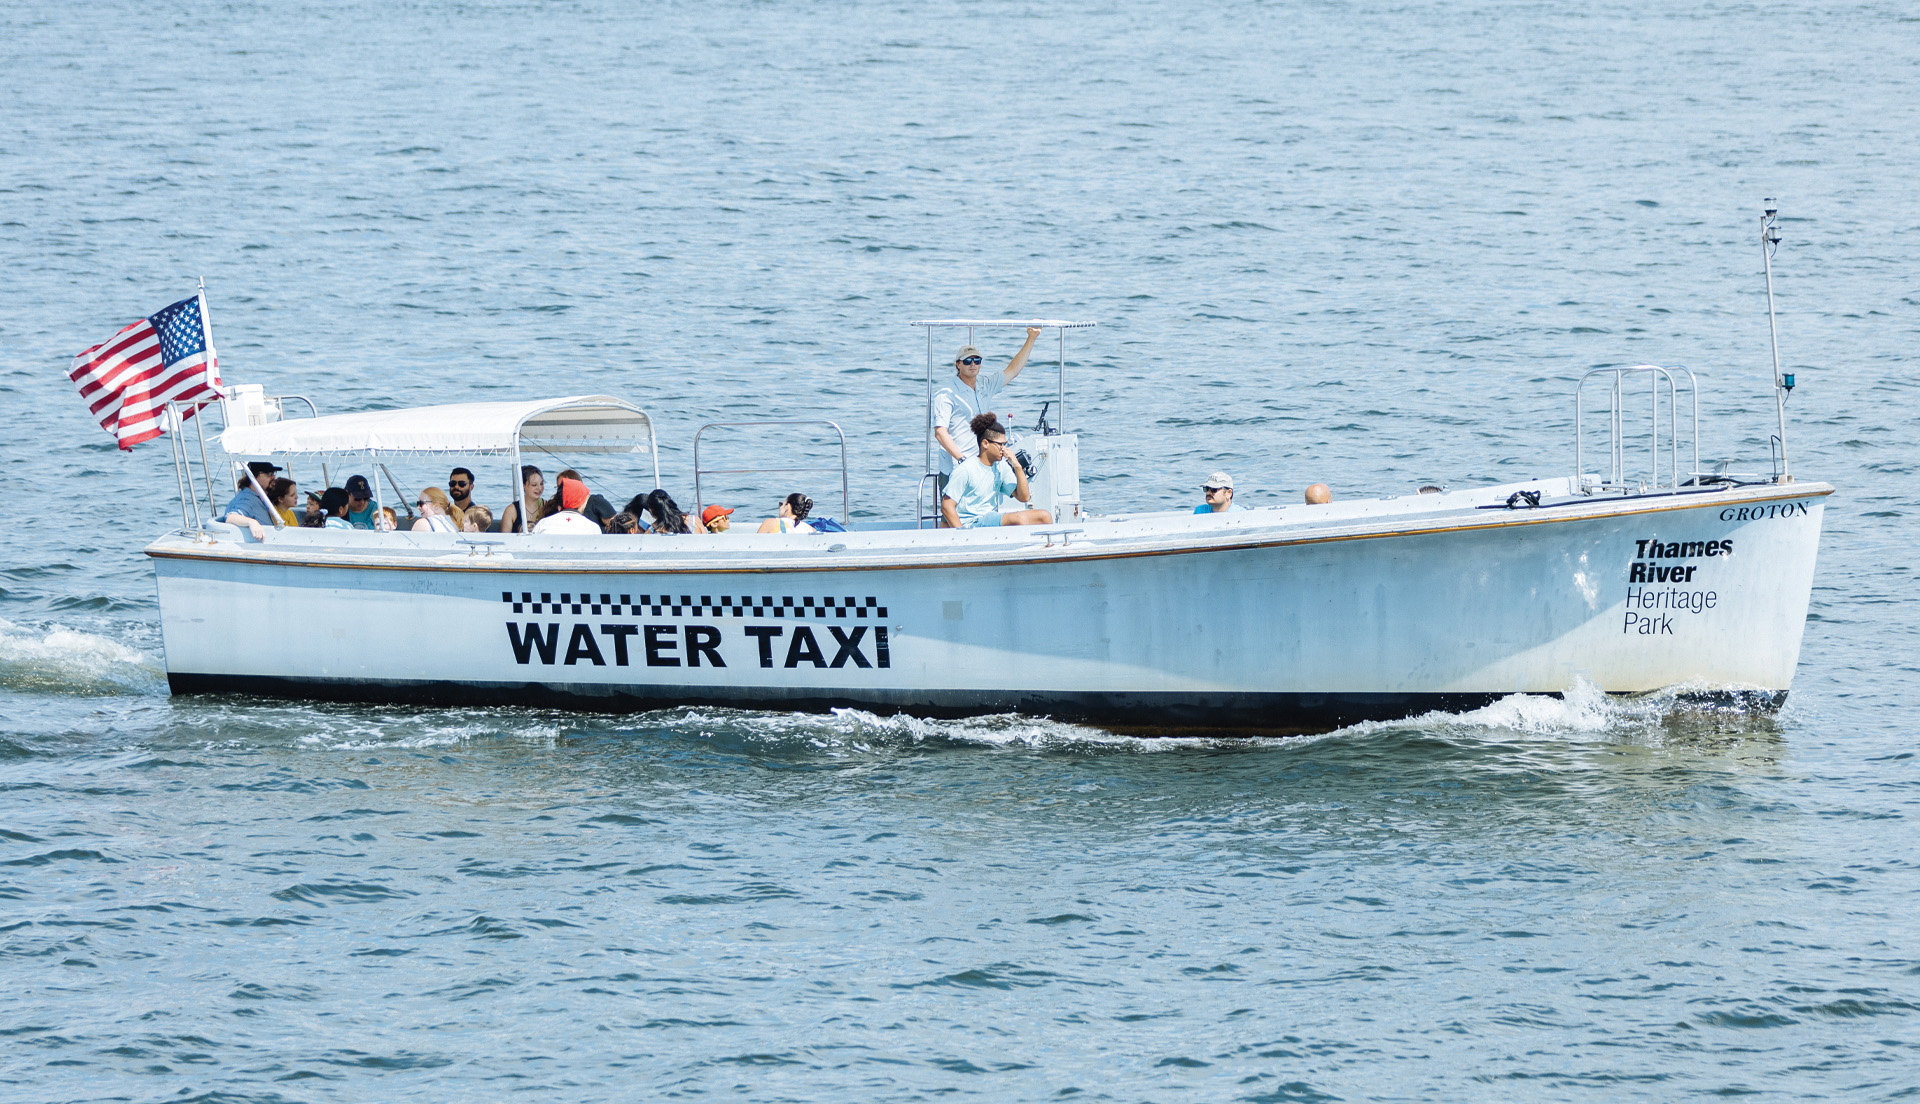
(1618, 385)
(699, 504)
(175, 424)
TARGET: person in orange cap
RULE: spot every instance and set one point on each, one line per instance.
(569, 519)
(717, 519)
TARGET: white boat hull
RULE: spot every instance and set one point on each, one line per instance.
(1282, 621)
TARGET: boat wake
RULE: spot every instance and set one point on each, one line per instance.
(1583, 713)
(59, 660)
(1586, 711)
(856, 731)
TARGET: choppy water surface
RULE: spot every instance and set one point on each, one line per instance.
(1370, 245)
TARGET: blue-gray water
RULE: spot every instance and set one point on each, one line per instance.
(1370, 244)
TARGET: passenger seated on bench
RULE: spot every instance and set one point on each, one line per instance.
(533, 484)
(385, 520)
(597, 509)
(479, 520)
(285, 495)
(667, 517)
(460, 489)
(1319, 494)
(333, 509)
(359, 502)
(979, 487)
(637, 506)
(717, 519)
(623, 524)
(573, 495)
(793, 516)
(436, 512)
(1219, 491)
(246, 508)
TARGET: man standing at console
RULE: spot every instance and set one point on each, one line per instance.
(964, 398)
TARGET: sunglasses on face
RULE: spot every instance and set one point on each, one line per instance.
(458, 483)
(968, 360)
(1213, 490)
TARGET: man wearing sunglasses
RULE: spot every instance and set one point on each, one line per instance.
(979, 488)
(964, 398)
(460, 489)
(1219, 491)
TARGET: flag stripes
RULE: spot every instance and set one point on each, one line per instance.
(128, 379)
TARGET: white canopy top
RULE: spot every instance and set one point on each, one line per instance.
(1003, 323)
(579, 423)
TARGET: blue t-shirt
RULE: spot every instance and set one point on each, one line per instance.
(1203, 508)
(980, 492)
(361, 519)
(247, 501)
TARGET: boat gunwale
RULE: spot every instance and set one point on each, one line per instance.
(971, 556)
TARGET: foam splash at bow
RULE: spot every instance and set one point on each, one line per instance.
(61, 660)
(1584, 710)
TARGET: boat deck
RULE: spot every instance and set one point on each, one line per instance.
(893, 545)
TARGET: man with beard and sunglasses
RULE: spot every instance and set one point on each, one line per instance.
(460, 489)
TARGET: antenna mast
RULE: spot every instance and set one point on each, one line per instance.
(1769, 241)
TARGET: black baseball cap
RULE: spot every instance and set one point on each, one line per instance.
(358, 487)
(261, 467)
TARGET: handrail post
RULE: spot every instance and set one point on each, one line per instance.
(178, 447)
(846, 500)
(926, 425)
(206, 469)
(1579, 438)
(699, 506)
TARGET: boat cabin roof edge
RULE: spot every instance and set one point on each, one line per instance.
(574, 423)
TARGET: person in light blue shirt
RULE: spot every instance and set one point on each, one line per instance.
(977, 491)
(246, 508)
(966, 396)
(1219, 491)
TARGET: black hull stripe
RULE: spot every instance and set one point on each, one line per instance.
(1138, 713)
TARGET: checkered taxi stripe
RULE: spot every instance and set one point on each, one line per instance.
(808, 607)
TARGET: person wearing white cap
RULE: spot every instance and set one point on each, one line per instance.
(1219, 492)
(966, 396)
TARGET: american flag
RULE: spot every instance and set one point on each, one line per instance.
(129, 378)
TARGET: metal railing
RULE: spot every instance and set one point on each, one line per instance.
(699, 503)
(920, 516)
(176, 417)
(1617, 425)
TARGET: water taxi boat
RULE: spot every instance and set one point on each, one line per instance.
(1268, 620)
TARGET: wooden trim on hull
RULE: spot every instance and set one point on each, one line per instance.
(1139, 713)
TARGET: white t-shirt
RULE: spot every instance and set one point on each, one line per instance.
(956, 404)
(566, 521)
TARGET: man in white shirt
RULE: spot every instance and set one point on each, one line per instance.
(966, 396)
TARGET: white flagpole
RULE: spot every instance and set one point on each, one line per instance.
(206, 338)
